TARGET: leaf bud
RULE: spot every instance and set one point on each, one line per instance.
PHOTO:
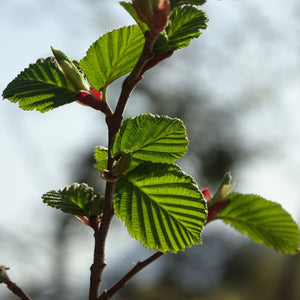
(107, 176)
(3, 275)
(68, 67)
(122, 163)
(155, 13)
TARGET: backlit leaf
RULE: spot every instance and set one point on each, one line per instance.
(264, 221)
(76, 199)
(161, 206)
(112, 56)
(151, 138)
(41, 86)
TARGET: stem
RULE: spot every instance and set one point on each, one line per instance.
(121, 284)
(114, 123)
(135, 76)
(17, 290)
(4, 278)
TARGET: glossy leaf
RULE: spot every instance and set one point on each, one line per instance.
(41, 86)
(264, 221)
(161, 206)
(151, 138)
(76, 199)
(112, 56)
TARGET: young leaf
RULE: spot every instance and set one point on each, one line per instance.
(77, 199)
(100, 154)
(161, 206)
(112, 56)
(41, 86)
(176, 3)
(264, 221)
(185, 25)
(152, 138)
(130, 9)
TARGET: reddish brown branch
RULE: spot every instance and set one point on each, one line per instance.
(17, 291)
(99, 264)
(114, 123)
(135, 76)
(121, 284)
(12, 285)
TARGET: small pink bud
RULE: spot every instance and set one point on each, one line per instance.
(206, 194)
(161, 15)
(155, 13)
(97, 94)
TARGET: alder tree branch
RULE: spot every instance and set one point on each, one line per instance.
(137, 268)
(134, 77)
(113, 122)
(12, 285)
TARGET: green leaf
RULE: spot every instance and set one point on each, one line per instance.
(185, 24)
(176, 3)
(130, 9)
(100, 154)
(41, 86)
(76, 199)
(264, 221)
(161, 206)
(112, 56)
(151, 138)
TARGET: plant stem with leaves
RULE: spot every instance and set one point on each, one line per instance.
(114, 123)
(158, 202)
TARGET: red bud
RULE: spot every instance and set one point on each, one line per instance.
(161, 15)
(206, 194)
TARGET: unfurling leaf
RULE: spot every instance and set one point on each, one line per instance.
(71, 71)
(76, 199)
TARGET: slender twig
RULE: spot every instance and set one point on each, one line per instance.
(135, 76)
(100, 239)
(114, 123)
(12, 285)
(137, 268)
(17, 291)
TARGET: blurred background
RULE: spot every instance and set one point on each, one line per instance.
(237, 88)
